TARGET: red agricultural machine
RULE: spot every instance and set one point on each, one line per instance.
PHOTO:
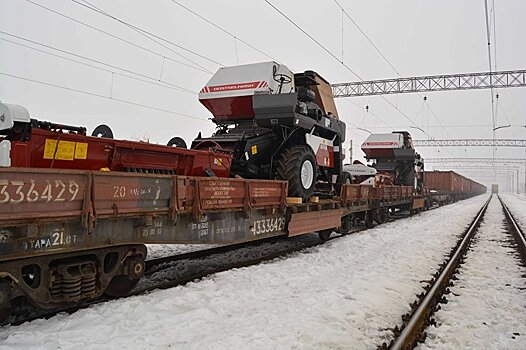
(32, 143)
(277, 125)
(395, 158)
(271, 124)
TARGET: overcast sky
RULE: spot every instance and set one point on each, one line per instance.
(418, 37)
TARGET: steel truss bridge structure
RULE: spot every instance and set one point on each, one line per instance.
(471, 142)
(475, 160)
(478, 167)
(447, 82)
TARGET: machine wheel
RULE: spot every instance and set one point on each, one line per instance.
(325, 234)
(120, 285)
(344, 179)
(298, 165)
(103, 131)
(177, 142)
(408, 179)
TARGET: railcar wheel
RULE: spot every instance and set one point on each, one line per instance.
(119, 286)
(297, 164)
(5, 313)
(381, 216)
(325, 234)
(6, 305)
(369, 220)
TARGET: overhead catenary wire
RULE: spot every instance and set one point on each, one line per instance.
(152, 82)
(312, 38)
(100, 68)
(337, 59)
(102, 96)
(236, 37)
(148, 34)
(367, 37)
(153, 79)
(344, 11)
(251, 46)
(116, 37)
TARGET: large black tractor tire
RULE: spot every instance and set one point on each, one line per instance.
(408, 179)
(344, 179)
(297, 164)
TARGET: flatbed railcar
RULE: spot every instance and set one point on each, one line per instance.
(68, 235)
(69, 232)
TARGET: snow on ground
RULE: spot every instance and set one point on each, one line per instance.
(342, 295)
(486, 307)
(161, 250)
(185, 268)
(517, 205)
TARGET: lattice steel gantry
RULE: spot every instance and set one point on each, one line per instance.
(446, 82)
(475, 160)
(471, 142)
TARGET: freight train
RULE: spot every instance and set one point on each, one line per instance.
(448, 186)
(76, 211)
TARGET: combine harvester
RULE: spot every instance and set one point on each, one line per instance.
(76, 211)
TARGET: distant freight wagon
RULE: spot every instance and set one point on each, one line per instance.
(449, 186)
(495, 188)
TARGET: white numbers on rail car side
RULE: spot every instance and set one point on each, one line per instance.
(119, 191)
(268, 225)
(55, 239)
(54, 191)
(155, 230)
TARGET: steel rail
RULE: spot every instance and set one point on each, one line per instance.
(409, 334)
(515, 228)
(201, 253)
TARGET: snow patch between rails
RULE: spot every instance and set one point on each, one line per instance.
(486, 307)
(342, 295)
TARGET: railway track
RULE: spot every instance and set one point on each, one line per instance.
(166, 272)
(175, 270)
(414, 324)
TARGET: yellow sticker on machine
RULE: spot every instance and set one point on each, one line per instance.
(66, 150)
(254, 149)
(81, 150)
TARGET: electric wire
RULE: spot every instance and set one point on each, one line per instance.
(223, 30)
(370, 112)
(367, 37)
(338, 60)
(312, 38)
(101, 96)
(117, 37)
(148, 34)
(381, 54)
(100, 68)
(176, 87)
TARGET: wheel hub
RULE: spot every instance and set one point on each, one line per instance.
(307, 174)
